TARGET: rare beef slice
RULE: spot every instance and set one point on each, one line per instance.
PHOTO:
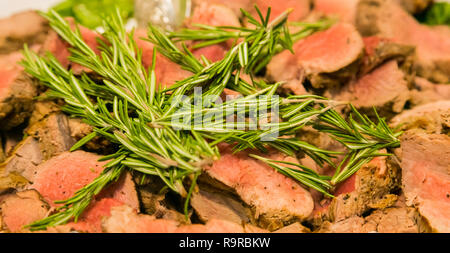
(327, 58)
(385, 88)
(372, 187)
(426, 176)
(425, 92)
(20, 209)
(17, 91)
(275, 199)
(24, 27)
(389, 220)
(47, 138)
(209, 204)
(379, 50)
(61, 176)
(124, 219)
(432, 118)
(387, 19)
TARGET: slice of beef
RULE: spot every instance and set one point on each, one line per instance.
(210, 205)
(24, 27)
(22, 208)
(372, 187)
(344, 10)
(208, 13)
(124, 219)
(156, 205)
(234, 5)
(11, 181)
(45, 139)
(385, 88)
(293, 228)
(25, 159)
(61, 176)
(326, 58)
(53, 134)
(213, 226)
(414, 6)
(387, 19)
(275, 199)
(426, 176)
(43, 109)
(430, 118)
(353, 224)
(390, 220)
(91, 219)
(379, 50)
(124, 191)
(395, 220)
(427, 92)
(17, 91)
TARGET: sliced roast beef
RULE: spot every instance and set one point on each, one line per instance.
(17, 91)
(24, 27)
(379, 50)
(22, 208)
(293, 228)
(395, 220)
(426, 92)
(372, 187)
(426, 176)
(274, 198)
(25, 159)
(354, 224)
(234, 5)
(344, 10)
(156, 202)
(42, 109)
(387, 19)
(430, 118)
(61, 176)
(210, 205)
(124, 219)
(53, 134)
(390, 220)
(326, 58)
(385, 88)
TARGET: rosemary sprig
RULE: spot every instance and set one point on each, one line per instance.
(364, 139)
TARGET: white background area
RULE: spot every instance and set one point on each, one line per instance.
(8, 7)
